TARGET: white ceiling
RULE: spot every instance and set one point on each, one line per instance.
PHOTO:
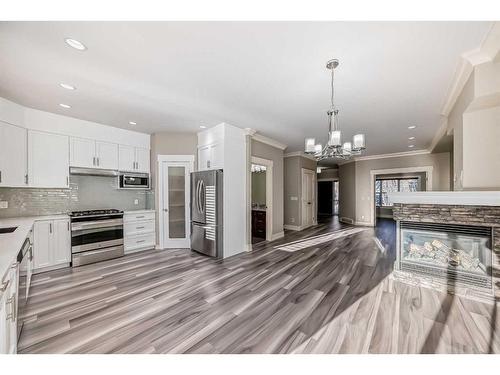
(176, 76)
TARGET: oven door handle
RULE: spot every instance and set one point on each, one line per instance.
(96, 224)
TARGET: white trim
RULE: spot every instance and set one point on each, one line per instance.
(346, 220)
(363, 224)
(469, 198)
(277, 236)
(443, 129)
(299, 153)
(460, 77)
(269, 194)
(293, 227)
(392, 155)
(268, 141)
(189, 159)
(428, 184)
(327, 179)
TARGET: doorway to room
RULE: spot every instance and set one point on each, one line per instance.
(261, 195)
(328, 198)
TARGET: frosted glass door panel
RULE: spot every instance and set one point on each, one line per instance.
(177, 202)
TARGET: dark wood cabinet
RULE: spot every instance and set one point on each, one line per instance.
(259, 224)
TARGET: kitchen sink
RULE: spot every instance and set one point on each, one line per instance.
(7, 230)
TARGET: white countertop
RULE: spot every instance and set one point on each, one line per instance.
(11, 243)
(469, 198)
(138, 211)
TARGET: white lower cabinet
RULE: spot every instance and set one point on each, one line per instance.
(139, 231)
(51, 244)
(8, 310)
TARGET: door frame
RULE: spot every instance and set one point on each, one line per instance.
(373, 174)
(333, 180)
(269, 195)
(314, 189)
(161, 201)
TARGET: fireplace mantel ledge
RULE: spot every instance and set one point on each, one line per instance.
(468, 198)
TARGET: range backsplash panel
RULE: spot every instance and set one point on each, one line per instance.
(84, 193)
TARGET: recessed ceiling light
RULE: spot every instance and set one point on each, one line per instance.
(411, 138)
(411, 127)
(203, 127)
(411, 146)
(67, 87)
(75, 44)
(132, 123)
(65, 105)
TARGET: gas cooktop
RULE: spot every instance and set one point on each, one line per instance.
(95, 212)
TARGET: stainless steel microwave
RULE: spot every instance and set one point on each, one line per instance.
(134, 181)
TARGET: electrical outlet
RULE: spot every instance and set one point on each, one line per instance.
(292, 220)
(4, 204)
(136, 201)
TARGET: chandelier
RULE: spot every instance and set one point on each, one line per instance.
(334, 148)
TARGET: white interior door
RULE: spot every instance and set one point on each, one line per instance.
(175, 210)
(308, 198)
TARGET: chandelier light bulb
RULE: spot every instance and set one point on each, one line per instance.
(358, 142)
(318, 148)
(335, 138)
(309, 147)
(347, 146)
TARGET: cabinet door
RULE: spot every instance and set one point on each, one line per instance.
(126, 158)
(107, 155)
(5, 338)
(204, 158)
(142, 160)
(48, 160)
(82, 152)
(217, 156)
(61, 243)
(42, 243)
(13, 156)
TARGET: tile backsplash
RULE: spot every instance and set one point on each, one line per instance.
(84, 193)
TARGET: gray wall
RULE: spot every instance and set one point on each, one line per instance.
(293, 187)
(347, 191)
(264, 151)
(169, 143)
(328, 173)
(85, 192)
(440, 177)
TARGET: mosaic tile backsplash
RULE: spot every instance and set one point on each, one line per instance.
(85, 193)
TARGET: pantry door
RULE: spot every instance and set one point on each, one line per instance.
(174, 213)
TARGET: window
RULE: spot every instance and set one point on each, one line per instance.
(385, 186)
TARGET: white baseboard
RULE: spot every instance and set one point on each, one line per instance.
(292, 227)
(364, 223)
(346, 220)
(277, 236)
(157, 247)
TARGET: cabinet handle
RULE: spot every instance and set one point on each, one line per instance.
(12, 302)
(93, 161)
(208, 163)
(4, 286)
(141, 241)
(26, 179)
(139, 227)
(67, 180)
(139, 217)
(97, 161)
(50, 228)
(0, 176)
(68, 225)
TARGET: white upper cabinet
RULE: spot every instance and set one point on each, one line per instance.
(133, 159)
(106, 155)
(88, 153)
(13, 156)
(142, 160)
(48, 160)
(211, 157)
(126, 158)
(82, 152)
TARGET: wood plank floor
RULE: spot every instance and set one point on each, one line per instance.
(333, 296)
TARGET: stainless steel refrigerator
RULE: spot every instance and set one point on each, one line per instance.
(206, 212)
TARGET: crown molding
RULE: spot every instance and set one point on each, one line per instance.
(393, 155)
(442, 131)
(268, 141)
(299, 153)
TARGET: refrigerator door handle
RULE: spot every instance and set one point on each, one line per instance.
(202, 196)
(198, 196)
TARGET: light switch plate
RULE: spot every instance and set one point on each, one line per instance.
(294, 198)
(4, 204)
(136, 201)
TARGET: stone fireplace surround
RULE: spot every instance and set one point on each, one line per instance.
(463, 208)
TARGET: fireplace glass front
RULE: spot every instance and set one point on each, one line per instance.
(457, 254)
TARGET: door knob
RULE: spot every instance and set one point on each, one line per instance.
(166, 210)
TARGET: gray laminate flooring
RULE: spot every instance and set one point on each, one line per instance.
(331, 296)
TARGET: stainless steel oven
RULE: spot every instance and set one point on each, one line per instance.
(134, 181)
(95, 236)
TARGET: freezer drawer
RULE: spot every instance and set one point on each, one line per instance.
(205, 240)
